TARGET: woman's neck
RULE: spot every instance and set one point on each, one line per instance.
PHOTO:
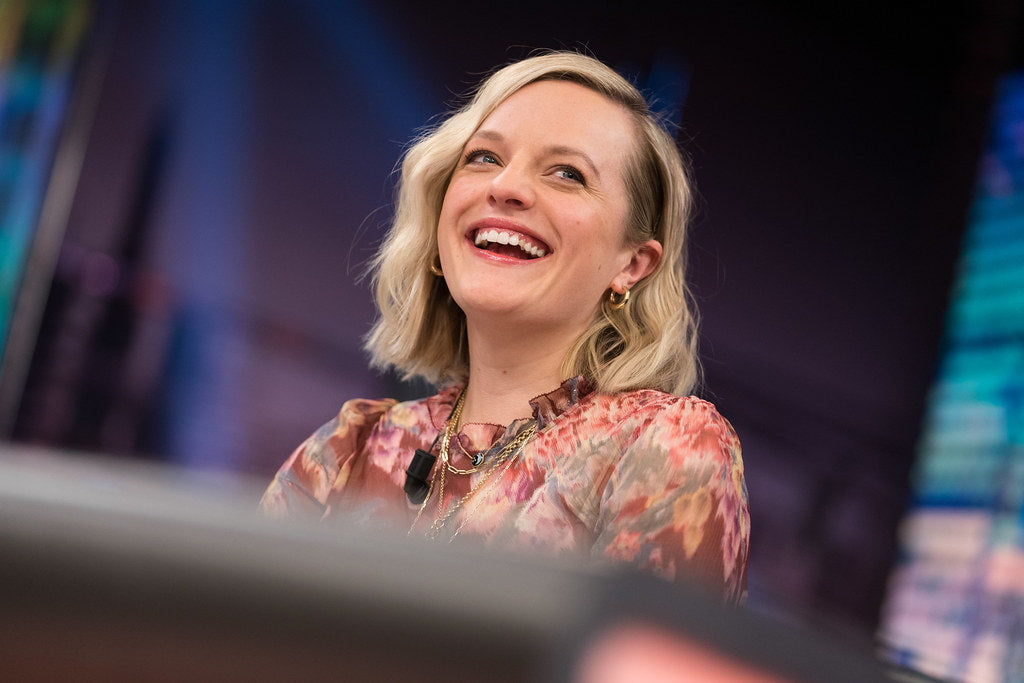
(505, 374)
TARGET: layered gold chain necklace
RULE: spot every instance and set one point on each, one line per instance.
(503, 459)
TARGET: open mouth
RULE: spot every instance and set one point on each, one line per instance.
(509, 243)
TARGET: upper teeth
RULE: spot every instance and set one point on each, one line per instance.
(485, 237)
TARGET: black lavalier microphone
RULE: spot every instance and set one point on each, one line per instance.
(416, 485)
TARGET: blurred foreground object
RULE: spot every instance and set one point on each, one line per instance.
(116, 570)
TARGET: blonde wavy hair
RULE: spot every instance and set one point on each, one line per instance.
(650, 343)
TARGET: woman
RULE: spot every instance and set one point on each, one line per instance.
(535, 271)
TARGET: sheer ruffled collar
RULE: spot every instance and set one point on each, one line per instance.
(475, 437)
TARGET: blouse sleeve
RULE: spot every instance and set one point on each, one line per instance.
(676, 502)
(325, 462)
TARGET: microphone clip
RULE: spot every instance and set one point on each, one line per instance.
(417, 486)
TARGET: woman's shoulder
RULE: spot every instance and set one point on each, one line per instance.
(305, 479)
(660, 406)
(366, 413)
(357, 410)
(661, 400)
(647, 419)
(360, 415)
(676, 435)
(318, 459)
(354, 414)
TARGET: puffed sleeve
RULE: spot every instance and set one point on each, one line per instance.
(676, 501)
(325, 462)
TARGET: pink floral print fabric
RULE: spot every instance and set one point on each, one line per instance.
(642, 476)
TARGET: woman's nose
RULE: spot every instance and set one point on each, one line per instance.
(512, 187)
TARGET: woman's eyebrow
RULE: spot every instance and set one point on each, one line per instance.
(489, 135)
(573, 151)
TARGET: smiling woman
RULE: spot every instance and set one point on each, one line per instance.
(553, 175)
(535, 271)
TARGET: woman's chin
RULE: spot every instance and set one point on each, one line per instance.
(491, 306)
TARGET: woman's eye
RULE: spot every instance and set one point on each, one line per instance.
(481, 157)
(571, 173)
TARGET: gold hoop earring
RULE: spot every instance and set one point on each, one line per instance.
(436, 269)
(618, 301)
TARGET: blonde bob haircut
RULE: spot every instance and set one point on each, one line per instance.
(649, 343)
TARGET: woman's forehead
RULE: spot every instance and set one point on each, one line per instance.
(563, 114)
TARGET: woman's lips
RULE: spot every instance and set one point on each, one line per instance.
(506, 238)
(509, 243)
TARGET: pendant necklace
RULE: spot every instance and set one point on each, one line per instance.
(505, 456)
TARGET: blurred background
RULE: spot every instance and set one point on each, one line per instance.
(189, 193)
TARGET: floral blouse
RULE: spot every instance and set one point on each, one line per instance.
(641, 476)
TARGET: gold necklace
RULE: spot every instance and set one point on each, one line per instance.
(511, 449)
(449, 429)
(503, 455)
(449, 432)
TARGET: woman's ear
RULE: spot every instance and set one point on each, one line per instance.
(646, 257)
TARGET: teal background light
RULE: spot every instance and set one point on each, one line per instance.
(957, 605)
(39, 43)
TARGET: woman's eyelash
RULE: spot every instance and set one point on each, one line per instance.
(472, 156)
(573, 173)
(570, 172)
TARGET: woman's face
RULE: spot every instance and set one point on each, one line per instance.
(532, 228)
